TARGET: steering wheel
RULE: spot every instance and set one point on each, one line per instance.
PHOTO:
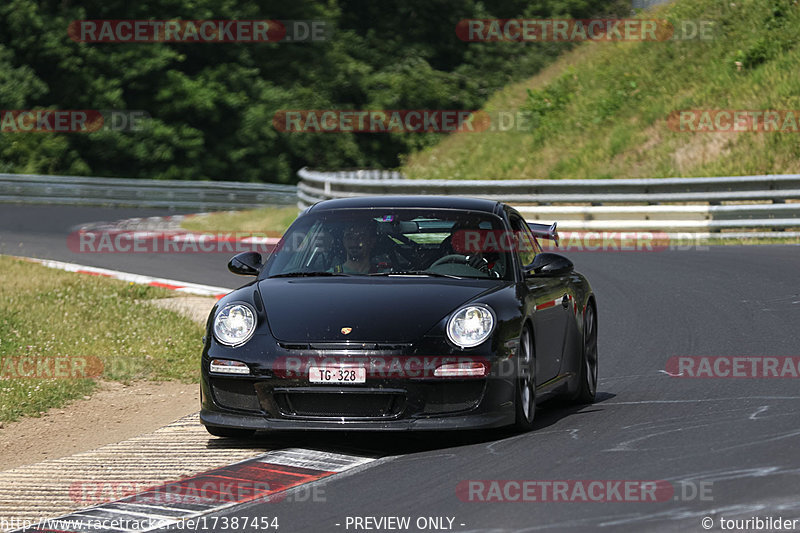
(477, 262)
(452, 258)
(409, 256)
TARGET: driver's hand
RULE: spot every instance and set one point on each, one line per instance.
(478, 262)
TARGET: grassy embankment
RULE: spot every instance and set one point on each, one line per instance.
(601, 110)
(98, 324)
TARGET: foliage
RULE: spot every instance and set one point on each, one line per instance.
(212, 105)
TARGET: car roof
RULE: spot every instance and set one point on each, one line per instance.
(423, 201)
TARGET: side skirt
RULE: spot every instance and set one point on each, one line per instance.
(553, 387)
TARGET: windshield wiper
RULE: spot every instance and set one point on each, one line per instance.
(308, 274)
(416, 273)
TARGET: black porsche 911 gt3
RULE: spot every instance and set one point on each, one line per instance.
(399, 313)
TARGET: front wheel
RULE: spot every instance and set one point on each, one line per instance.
(231, 433)
(587, 376)
(526, 384)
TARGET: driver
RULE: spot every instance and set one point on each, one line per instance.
(359, 240)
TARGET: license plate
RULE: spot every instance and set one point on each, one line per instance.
(337, 374)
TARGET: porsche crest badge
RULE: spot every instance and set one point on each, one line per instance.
(346, 331)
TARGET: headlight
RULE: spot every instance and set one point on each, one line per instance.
(234, 324)
(470, 325)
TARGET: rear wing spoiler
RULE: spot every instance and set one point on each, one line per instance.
(543, 231)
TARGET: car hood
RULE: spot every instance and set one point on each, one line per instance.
(377, 309)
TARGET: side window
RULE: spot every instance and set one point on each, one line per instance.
(526, 243)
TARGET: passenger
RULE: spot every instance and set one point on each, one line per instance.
(461, 233)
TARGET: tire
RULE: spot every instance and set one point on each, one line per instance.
(525, 389)
(231, 433)
(587, 376)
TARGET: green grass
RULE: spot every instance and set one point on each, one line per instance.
(46, 313)
(271, 221)
(601, 110)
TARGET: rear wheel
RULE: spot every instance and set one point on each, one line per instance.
(587, 378)
(231, 433)
(526, 384)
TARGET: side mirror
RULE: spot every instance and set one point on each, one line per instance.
(246, 264)
(547, 264)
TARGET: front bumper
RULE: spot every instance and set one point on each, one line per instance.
(385, 404)
(401, 391)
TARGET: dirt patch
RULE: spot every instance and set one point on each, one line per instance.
(115, 412)
(701, 150)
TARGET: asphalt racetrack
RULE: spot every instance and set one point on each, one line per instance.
(729, 447)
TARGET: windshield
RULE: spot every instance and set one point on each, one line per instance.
(391, 242)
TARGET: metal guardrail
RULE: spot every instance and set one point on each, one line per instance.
(325, 185)
(120, 192)
(716, 203)
(770, 203)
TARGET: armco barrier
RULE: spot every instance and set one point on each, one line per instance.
(716, 205)
(194, 195)
(722, 206)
